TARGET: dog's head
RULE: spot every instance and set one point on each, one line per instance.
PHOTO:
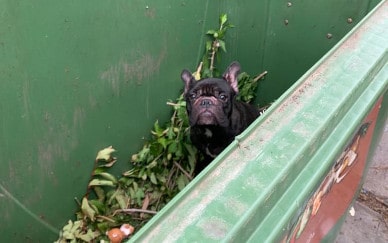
(209, 101)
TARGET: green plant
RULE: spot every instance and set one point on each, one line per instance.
(217, 41)
(247, 86)
(162, 168)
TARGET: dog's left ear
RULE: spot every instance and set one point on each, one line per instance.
(188, 79)
(230, 75)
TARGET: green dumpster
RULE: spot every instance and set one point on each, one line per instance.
(80, 76)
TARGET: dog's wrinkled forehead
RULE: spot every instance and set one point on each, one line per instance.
(210, 86)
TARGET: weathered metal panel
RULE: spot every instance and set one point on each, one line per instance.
(77, 76)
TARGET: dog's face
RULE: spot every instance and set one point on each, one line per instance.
(209, 101)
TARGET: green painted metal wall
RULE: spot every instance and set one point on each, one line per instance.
(77, 76)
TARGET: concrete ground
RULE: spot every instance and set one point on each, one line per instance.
(370, 220)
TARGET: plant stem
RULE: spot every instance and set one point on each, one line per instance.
(260, 76)
(134, 210)
(184, 172)
(106, 218)
(212, 56)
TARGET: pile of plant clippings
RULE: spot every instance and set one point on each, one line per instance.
(161, 169)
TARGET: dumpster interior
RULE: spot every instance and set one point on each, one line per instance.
(79, 77)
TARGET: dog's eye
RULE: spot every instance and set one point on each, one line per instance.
(222, 97)
(193, 95)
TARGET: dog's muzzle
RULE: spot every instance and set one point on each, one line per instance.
(206, 103)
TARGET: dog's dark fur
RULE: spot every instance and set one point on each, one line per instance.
(215, 115)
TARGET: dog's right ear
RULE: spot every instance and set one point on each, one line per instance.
(188, 79)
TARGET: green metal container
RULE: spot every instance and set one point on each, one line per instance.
(79, 76)
(293, 173)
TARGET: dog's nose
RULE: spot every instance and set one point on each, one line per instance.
(206, 102)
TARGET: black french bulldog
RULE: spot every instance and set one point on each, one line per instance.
(215, 116)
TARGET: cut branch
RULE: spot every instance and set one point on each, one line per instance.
(260, 76)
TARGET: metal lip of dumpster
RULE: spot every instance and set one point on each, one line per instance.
(265, 177)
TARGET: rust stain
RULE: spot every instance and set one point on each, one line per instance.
(133, 72)
(47, 154)
(112, 75)
(92, 101)
(58, 141)
(142, 68)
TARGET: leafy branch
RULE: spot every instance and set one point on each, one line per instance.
(212, 46)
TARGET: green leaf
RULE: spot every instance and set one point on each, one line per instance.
(143, 154)
(98, 182)
(158, 131)
(170, 133)
(223, 19)
(87, 209)
(110, 164)
(192, 161)
(105, 154)
(144, 176)
(208, 47)
(68, 230)
(99, 192)
(135, 186)
(155, 149)
(103, 227)
(163, 141)
(89, 236)
(222, 45)
(172, 148)
(96, 204)
(139, 195)
(161, 177)
(153, 164)
(68, 227)
(121, 199)
(153, 178)
(211, 32)
(108, 176)
(129, 172)
(181, 182)
(132, 193)
(179, 150)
